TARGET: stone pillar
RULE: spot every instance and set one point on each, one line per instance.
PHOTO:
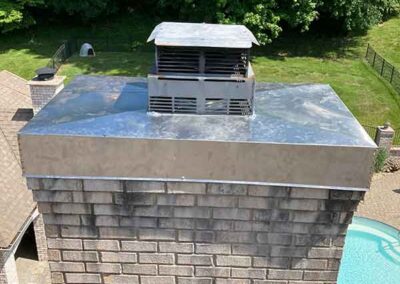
(384, 137)
(43, 91)
(121, 231)
(8, 269)
(40, 237)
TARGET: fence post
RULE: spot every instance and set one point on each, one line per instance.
(384, 136)
(383, 65)
(391, 76)
(373, 61)
(366, 54)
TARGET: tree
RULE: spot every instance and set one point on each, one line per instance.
(359, 15)
(263, 17)
(14, 14)
(266, 18)
(86, 9)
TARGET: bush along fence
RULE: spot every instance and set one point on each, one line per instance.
(383, 67)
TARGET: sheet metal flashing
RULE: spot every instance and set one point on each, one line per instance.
(305, 186)
(202, 35)
(98, 126)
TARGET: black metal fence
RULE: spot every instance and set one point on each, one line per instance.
(66, 50)
(384, 68)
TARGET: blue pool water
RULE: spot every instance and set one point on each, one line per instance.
(371, 254)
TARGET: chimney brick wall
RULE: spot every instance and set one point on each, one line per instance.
(40, 238)
(110, 231)
(43, 91)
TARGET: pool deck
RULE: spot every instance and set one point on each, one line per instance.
(382, 202)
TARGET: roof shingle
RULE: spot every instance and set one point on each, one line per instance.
(16, 204)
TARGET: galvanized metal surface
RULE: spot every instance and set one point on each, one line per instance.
(202, 35)
(314, 166)
(111, 106)
(301, 135)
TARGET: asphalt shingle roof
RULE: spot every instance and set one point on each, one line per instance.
(16, 204)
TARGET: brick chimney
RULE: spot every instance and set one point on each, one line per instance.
(43, 91)
(202, 193)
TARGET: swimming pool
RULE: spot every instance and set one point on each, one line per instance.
(371, 254)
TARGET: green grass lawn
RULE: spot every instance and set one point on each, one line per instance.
(385, 39)
(109, 63)
(23, 52)
(293, 58)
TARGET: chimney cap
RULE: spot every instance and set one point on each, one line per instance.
(202, 35)
(45, 73)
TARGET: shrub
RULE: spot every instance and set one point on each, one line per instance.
(380, 158)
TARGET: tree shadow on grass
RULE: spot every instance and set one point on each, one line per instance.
(312, 45)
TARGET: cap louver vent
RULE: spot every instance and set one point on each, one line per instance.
(226, 61)
(177, 60)
(221, 61)
(240, 107)
(184, 105)
(202, 69)
(216, 106)
(231, 106)
(160, 104)
(173, 105)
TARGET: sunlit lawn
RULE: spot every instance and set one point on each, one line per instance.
(109, 63)
(385, 38)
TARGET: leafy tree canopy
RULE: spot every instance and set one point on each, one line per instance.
(87, 9)
(266, 18)
(358, 15)
(14, 14)
(263, 17)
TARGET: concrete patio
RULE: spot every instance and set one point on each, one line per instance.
(382, 202)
